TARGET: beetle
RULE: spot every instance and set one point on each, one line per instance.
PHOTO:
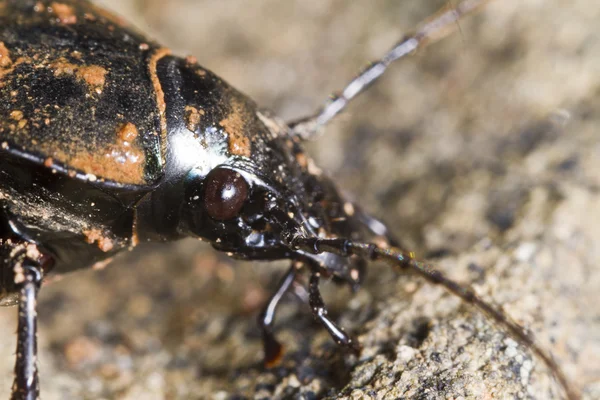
(124, 143)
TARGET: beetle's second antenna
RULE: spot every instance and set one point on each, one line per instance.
(434, 28)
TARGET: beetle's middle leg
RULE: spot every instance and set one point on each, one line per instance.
(320, 313)
(272, 348)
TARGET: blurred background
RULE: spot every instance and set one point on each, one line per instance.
(482, 152)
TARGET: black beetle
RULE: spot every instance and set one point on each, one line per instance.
(108, 140)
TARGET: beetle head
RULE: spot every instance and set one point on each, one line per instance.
(248, 187)
(252, 208)
(253, 211)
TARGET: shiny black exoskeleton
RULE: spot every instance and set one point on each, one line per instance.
(107, 140)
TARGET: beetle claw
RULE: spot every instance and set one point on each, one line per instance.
(273, 350)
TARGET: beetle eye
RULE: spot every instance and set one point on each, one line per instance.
(225, 193)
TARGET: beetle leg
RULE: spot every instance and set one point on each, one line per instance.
(300, 291)
(28, 277)
(22, 267)
(320, 313)
(272, 348)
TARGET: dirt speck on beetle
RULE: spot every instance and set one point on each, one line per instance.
(93, 75)
(17, 115)
(192, 117)
(200, 72)
(94, 235)
(127, 133)
(191, 60)
(63, 67)
(64, 12)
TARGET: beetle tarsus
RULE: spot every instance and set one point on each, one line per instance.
(319, 311)
(26, 382)
(273, 350)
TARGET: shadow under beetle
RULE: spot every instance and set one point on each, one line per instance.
(106, 140)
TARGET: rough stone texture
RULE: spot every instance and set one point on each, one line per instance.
(482, 153)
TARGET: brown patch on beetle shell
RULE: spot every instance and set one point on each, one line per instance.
(113, 163)
(160, 95)
(121, 161)
(63, 67)
(7, 66)
(5, 60)
(64, 12)
(4, 71)
(192, 117)
(234, 125)
(93, 75)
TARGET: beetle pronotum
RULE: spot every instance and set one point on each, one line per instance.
(300, 243)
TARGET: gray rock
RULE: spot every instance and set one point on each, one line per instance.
(481, 152)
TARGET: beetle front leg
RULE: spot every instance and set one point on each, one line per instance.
(272, 348)
(320, 313)
(28, 277)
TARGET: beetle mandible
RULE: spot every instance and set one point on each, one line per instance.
(116, 141)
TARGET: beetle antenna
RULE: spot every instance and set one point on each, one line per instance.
(431, 30)
(406, 261)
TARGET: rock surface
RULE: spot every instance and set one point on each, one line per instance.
(482, 153)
